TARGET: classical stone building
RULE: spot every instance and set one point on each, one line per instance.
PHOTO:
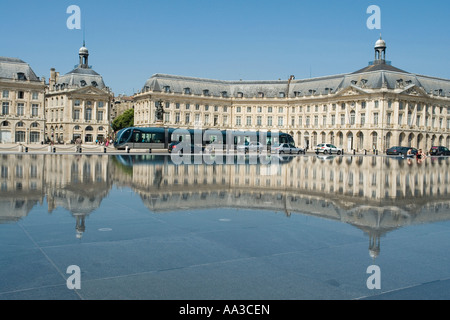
(78, 104)
(22, 102)
(376, 107)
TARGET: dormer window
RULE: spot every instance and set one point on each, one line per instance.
(83, 83)
(224, 94)
(260, 94)
(206, 92)
(21, 76)
(240, 94)
(281, 95)
(187, 90)
(297, 93)
(94, 83)
(167, 89)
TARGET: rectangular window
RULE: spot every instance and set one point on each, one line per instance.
(20, 109)
(363, 119)
(418, 121)
(269, 109)
(377, 103)
(197, 107)
(249, 121)
(167, 117)
(188, 106)
(308, 121)
(375, 118)
(35, 95)
(88, 114)
(333, 120)
(280, 121)
(177, 117)
(77, 103)
(249, 109)
(34, 110)
(259, 121)
(238, 120)
(388, 119)
(206, 119)
(187, 118)
(269, 121)
(225, 120)
(5, 94)
(20, 95)
(101, 104)
(177, 106)
(5, 108)
(342, 119)
(324, 120)
(238, 109)
(400, 119)
(76, 114)
(100, 115)
(316, 121)
(300, 121)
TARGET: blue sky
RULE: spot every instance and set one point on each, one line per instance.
(129, 41)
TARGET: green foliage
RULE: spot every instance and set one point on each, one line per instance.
(125, 120)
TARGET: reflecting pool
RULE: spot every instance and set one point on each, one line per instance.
(143, 226)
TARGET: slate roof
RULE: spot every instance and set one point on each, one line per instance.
(10, 67)
(375, 76)
(76, 77)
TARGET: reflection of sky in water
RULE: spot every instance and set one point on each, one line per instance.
(143, 227)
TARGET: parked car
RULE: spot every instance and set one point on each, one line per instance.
(326, 148)
(251, 147)
(400, 151)
(287, 148)
(183, 147)
(439, 151)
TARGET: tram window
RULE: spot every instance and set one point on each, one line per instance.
(158, 138)
(137, 137)
(125, 136)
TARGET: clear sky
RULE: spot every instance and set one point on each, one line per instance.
(129, 41)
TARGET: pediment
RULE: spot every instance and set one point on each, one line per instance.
(351, 91)
(90, 90)
(414, 90)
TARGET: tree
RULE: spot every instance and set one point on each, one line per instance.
(125, 120)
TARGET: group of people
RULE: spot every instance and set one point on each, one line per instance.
(420, 155)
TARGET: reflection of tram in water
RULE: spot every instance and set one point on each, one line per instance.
(160, 138)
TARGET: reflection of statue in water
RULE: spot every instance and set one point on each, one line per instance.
(159, 111)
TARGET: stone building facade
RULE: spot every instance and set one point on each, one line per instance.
(374, 108)
(22, 118)
(78, 105)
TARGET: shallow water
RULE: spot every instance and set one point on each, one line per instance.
(151, 227)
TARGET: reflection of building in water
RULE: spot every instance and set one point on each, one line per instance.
(76, 183)
(21, 185)
(373, 194)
